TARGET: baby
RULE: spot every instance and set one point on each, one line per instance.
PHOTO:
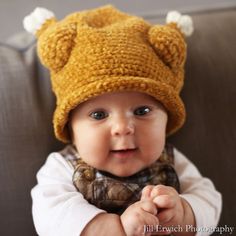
(117, 81)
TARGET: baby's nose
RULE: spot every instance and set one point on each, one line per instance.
(122, 126)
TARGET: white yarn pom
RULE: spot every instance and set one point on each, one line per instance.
(184, 22)
(36, 19)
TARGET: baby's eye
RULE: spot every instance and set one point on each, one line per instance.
(98, 115)
(141, 111)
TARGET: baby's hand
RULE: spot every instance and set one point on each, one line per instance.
(172, 209)
(137, 215)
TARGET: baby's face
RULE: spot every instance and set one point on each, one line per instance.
(120, 133)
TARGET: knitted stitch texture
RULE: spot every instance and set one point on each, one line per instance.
(103, 50)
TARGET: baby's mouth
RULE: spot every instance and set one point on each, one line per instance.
(124, 153)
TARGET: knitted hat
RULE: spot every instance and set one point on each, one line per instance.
(93, 52)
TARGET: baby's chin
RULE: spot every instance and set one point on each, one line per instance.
(125, 172)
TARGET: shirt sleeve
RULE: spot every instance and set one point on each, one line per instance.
(200, 193)
(58, 208)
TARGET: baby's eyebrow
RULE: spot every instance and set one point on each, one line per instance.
(159, 106)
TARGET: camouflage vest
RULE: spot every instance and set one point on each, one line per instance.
(114, 194)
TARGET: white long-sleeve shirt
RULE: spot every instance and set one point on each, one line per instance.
(60, 210)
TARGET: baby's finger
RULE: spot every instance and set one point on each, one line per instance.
(146, 192)
(165, 216)
(148, 206)
(162, 190)
(150, 219)
(164, 201)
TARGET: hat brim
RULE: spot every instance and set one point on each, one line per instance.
(159, 90)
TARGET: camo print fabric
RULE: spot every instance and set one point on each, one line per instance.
(114, 194)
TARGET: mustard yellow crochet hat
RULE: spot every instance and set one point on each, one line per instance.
(102, 50)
